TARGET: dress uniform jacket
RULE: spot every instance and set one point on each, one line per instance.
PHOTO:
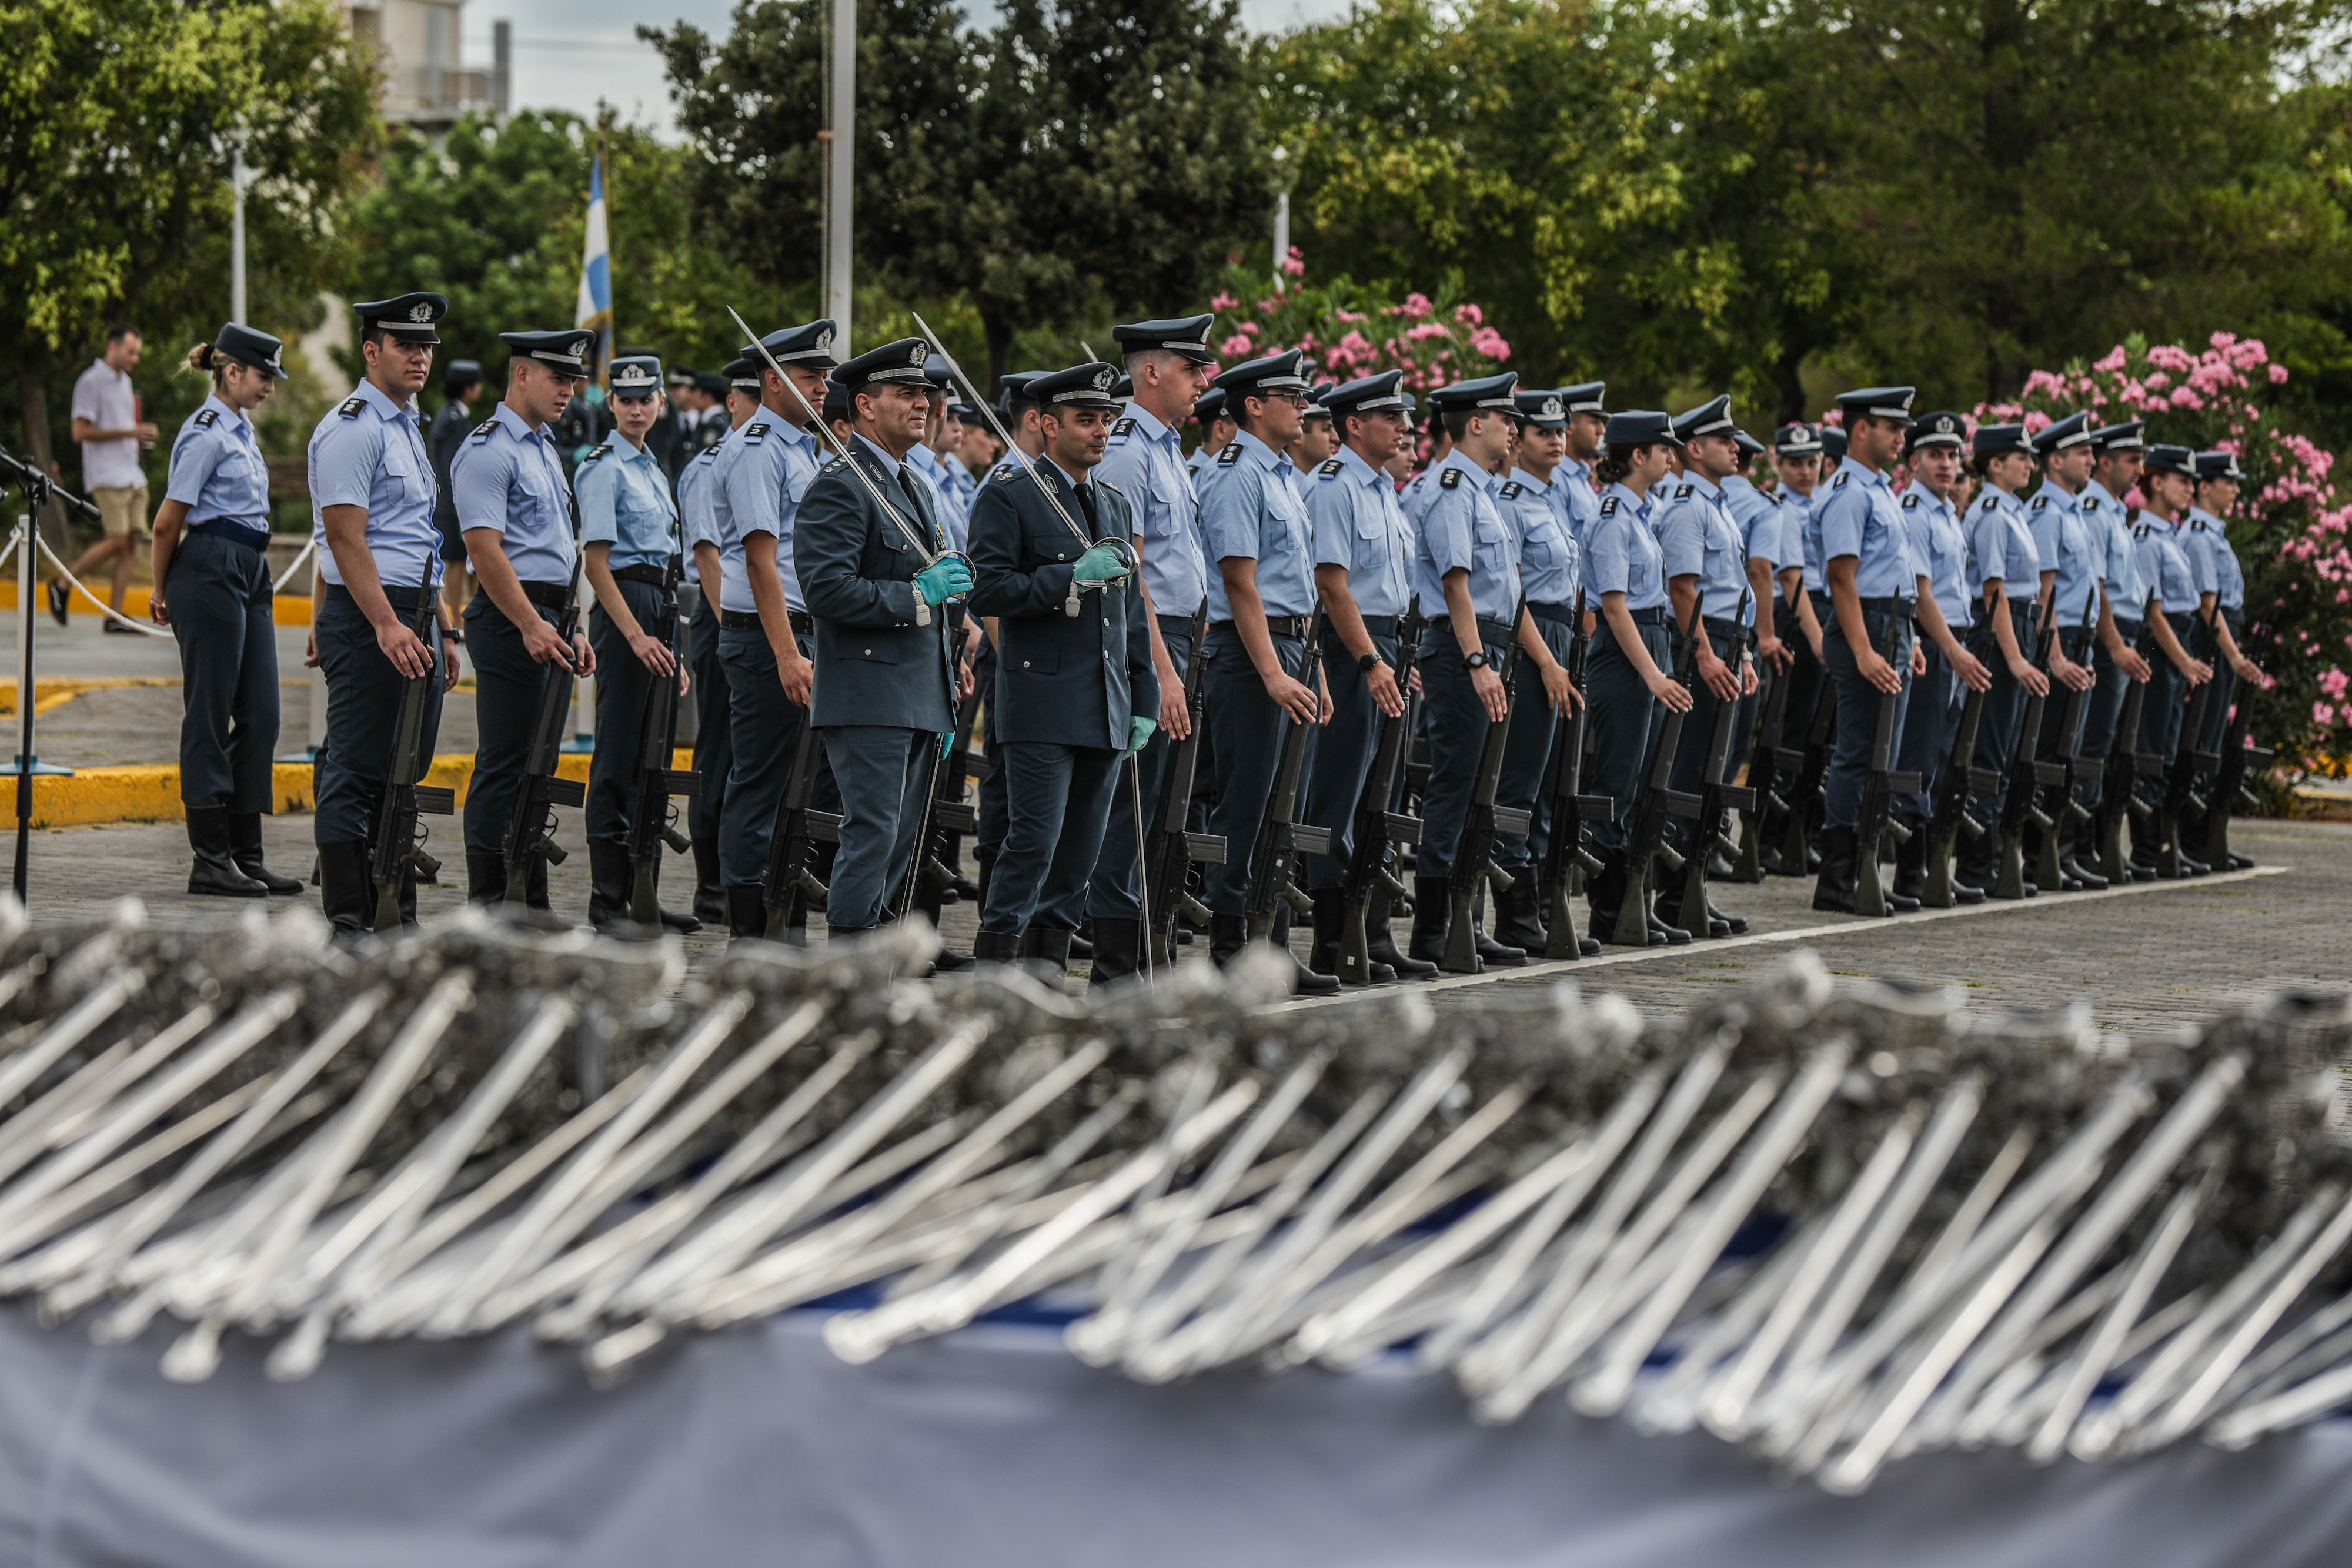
(882, 655)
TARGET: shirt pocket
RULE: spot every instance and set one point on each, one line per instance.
(1041, 662)
(401, 466)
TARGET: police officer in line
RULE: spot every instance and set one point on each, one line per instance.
(1626, 683)
(629, 539)
(1217, 428)
(371, 496)
(1758, 519)
(461, 383)
(1363, 553)
(2222, 586)
(1866, 560)
(1800, 457)
(213, 590)
(2071, 558)
(714, 751)
(2004, 575)
(1466, 572)
(928, 461)
(886, 677)
(515, 507)
(1018, 410)
(1018, 414)
(1078, 693)
(1530, 500)
(1940, 550)
(1168, 364)
(1319, 437)
(2117, 454)
(2168, 482)
(757, 483)
(1706, 565)
(1572, 485)
(1261, 602)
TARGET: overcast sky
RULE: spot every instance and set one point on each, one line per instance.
(571, 53)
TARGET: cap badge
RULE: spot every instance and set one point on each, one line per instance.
(1103, 378)
(824, 342)
(421, 311)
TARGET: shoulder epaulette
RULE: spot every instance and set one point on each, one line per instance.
(1609, 507)
(1106, 485)
(756, 432)
(351, 408)
(835, 466)
(1911, 500)
(2139, 531)
(483, 429)
(2090, 503)
(2039, 502)
(1330, 468)
(1838, 483)
(1121, 426)
(1510, 490)
(1450, 479)
(206, 418)
(598, 450)
(1230, 456)
(2197, 523)
(708, 454)
(1986, 504)
(1683, 492)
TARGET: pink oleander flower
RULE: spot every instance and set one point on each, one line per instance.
(1470, 314)
(2277, 373)
(2186, 397)
(2323, 714)
(1294, 264)
(1415, 307)
(1426, 331)
(1222, 303)
(2114, 360)
(1489, 342)
(1237, 347)
(2223, 339)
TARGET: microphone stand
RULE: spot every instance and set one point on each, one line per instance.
(38, 487)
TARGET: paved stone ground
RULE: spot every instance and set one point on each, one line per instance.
(2167, 953)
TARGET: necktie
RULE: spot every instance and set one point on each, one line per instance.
(906, 488)
(1085, 494)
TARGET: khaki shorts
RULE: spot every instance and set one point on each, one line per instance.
(122, 509)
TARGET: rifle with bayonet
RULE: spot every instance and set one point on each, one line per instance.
(530, 834)
(1880, 783)
(649, 812)
(1174, 849)
(2180, 799)
(1763, 771)
(1646, 841)
(2070, 767)
(397, 848)
(2120, 800)
(1376, 826)
(2018, 807)
(1961, 778)
(788, 888)
(1474, 851)
(1564, 851)
(2229, 791)
(1811, 766)
(1282, 838)
(1715, 796)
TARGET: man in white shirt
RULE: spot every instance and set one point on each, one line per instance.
(106, 422)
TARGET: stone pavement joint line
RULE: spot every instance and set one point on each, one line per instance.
(1850, 927)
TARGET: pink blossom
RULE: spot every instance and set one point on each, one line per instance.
(1294, 264)
(2185, 397)
(1489, 342)
(2323, 715)
(1424, 332)
(1347, 315)
(2112, 361)
(1470, 314)
(2223, 339)
(2156, 381)
(2278, 374)
(2036, 422)
(1222, 303)
(1415, 307)
(1237, 347)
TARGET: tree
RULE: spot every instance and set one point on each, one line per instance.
(116, 117)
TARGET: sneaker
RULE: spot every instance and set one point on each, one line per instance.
(118, 629)
(57, 599)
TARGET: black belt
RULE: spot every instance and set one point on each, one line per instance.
(547, 595)
(398, 597)
(1558, 614)
(1175, 625)
(1496, 631)
(2236, 616)
(1381, 626)
(1276, 625)
(655, 575)
(1654, 615)
(1889, 604)
(2128, 625)
(1721, 625)
(234, 533)
(749, 621)
(2179, 621)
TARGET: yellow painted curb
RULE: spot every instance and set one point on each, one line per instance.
(285, 609)
(150, 793)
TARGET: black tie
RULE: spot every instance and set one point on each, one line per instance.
(907, 486)
(1085, 494)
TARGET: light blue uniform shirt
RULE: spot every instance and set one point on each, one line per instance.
(1461, 529)
(2229, 579)
(217, 472)
(1620, 553)
(1758, 519)
(1547, 550)
(946, 505)
(2067, 548)
(2164, 563)
(624, 501)
(507, 477)
(1859, 517)
(1145, 461)
(1697, 537)
(1359, 527)
(695, 525)
(2111, 538)
(763, 471)
(1940, 551)
(1800, 539)
(2002, 547)
(1254, 509)
(369, 452)
(1579, 503)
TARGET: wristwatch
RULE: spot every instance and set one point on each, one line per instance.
(1364, 663)
(1477, 661)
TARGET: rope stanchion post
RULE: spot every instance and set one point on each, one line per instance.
(28, 762)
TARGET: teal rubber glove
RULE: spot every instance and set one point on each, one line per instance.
(943, 578)
(1138, 733)
(1103, 563)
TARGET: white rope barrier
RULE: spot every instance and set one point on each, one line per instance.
(310, 548)
(78, 587)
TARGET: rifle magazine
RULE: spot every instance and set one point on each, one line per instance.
(562, 791)
(681, 781)
(1512, 821)
(1209, 849)
(434, 800)
(1402, 829)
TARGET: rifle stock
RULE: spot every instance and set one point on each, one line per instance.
(788, 886)
(2018, 807)
(1564, 851)
(649, 814)
(2230, 791)
(1376, 826)
(2070, 768)
(1174, 850)
(1281, 837)
(1648, 839)
(395, 850)
(2121, 798)
(1962, 777)
(531, 835)
(1763, 776)
(1881, 784)
(1474, 851)
(1813, 770)
(1715, 796)
(2180, 799)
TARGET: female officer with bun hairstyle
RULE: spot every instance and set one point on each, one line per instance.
(213, 590)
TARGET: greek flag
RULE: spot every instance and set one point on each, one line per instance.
(596, 303)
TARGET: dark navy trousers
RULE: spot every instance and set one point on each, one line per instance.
(714, 751)
(363, 696)
(624, 698)
(1247, 729)
(1059, 797)
(220, 595)
(1342, 756)
(1858, 714)
(1115, 892)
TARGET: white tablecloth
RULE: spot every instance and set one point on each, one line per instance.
(995, 1448)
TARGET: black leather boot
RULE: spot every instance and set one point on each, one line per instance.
(1432, 896)
(1835, 891)
(215, 871)
(1911, 864)
(1973, 863)
(1379, 941)
(747, 914)
(1518, 915)
(1304, 981)
(1046, 954)
(1227, 935)
(996, 948)
(345, 892)
(1330, 920)
(2070, 858)
(709, 888)
(1606, 892)
(1119, 951)
(609, 876)
(1492, 954)
(485, 876)
(245, 848)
